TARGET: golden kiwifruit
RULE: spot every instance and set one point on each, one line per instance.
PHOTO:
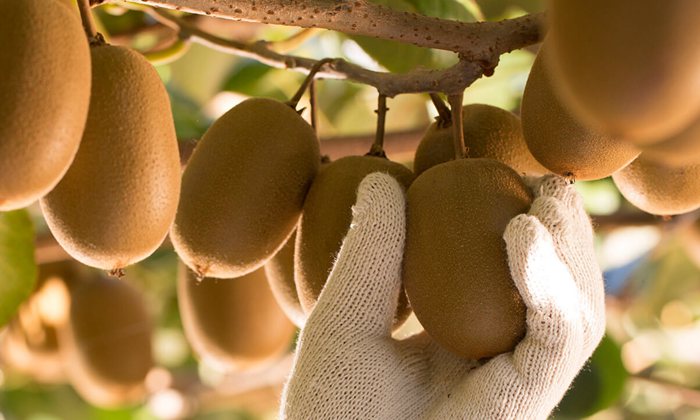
(455, 267)
(279, 271)
(44, 96)
(659, 189)
(326, 220)
(558, 140)
(631, 69)
(117, 201)
(489, 132)
(235, 323)
(682, 149)
(244, 187)
(107, 342)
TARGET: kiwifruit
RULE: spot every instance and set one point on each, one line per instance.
(455, 267)
(107, 342)
(117, 201)
(44, 97)
(558, 140)
(489, 132)
(659, 189)
(244, 187)
(326, 220)
(279, 271)
(235, 323)
(630, 70)
(682, 149)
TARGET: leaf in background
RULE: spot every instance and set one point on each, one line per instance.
(445, 9)
(500, 9)
(17, 267)
(598, 385)
(190, 122)
(396, 57)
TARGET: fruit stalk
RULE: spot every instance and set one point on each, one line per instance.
(444, 114)
(88, 21)
(312, 73)
(377, 148)
(455, 101)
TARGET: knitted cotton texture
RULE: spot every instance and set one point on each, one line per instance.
(347, 366)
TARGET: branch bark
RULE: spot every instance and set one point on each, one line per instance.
(479, 44)
(477, 41)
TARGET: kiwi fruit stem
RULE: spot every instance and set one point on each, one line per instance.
(88, 21)
(377, 148)
(312, 73)
(313, 117)
(444, 118)
(455, 101)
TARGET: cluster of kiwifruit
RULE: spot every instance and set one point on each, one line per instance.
(257, 206)
(627, 78)
(86, 127)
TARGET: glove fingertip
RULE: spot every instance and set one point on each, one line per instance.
(378, 189)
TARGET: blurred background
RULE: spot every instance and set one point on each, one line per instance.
(648, 365)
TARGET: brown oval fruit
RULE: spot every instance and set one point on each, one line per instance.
(116, 203)
(279, 271)
(44, 97)
(107, 343)
(489, 132)
(244, 188)
(682, 149)
(455, 265)
(235, 323)
(558, 140)
(659, 189)
(629, 68)
(326, 220)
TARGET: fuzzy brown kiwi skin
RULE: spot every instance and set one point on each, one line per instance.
(489, 132)
(558, 140)
(326, 219)
(682, 149)
(233, 322)
(44, 97)
(117, 201)
(107, 342)
(249, 175)
(630, 71)
(659, 189)
(455, 266)
(279, 271)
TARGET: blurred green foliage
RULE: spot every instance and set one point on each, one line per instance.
(18, 270)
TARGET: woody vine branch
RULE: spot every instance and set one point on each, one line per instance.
(478, 44)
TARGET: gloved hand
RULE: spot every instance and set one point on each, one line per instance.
(347, 366)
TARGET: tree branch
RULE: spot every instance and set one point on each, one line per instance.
(479, 44)
(475, 41)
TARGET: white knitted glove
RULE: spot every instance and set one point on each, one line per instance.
(347, 366)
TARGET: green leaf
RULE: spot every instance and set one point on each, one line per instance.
(598, 385)
(445, 9)
(17, 267)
